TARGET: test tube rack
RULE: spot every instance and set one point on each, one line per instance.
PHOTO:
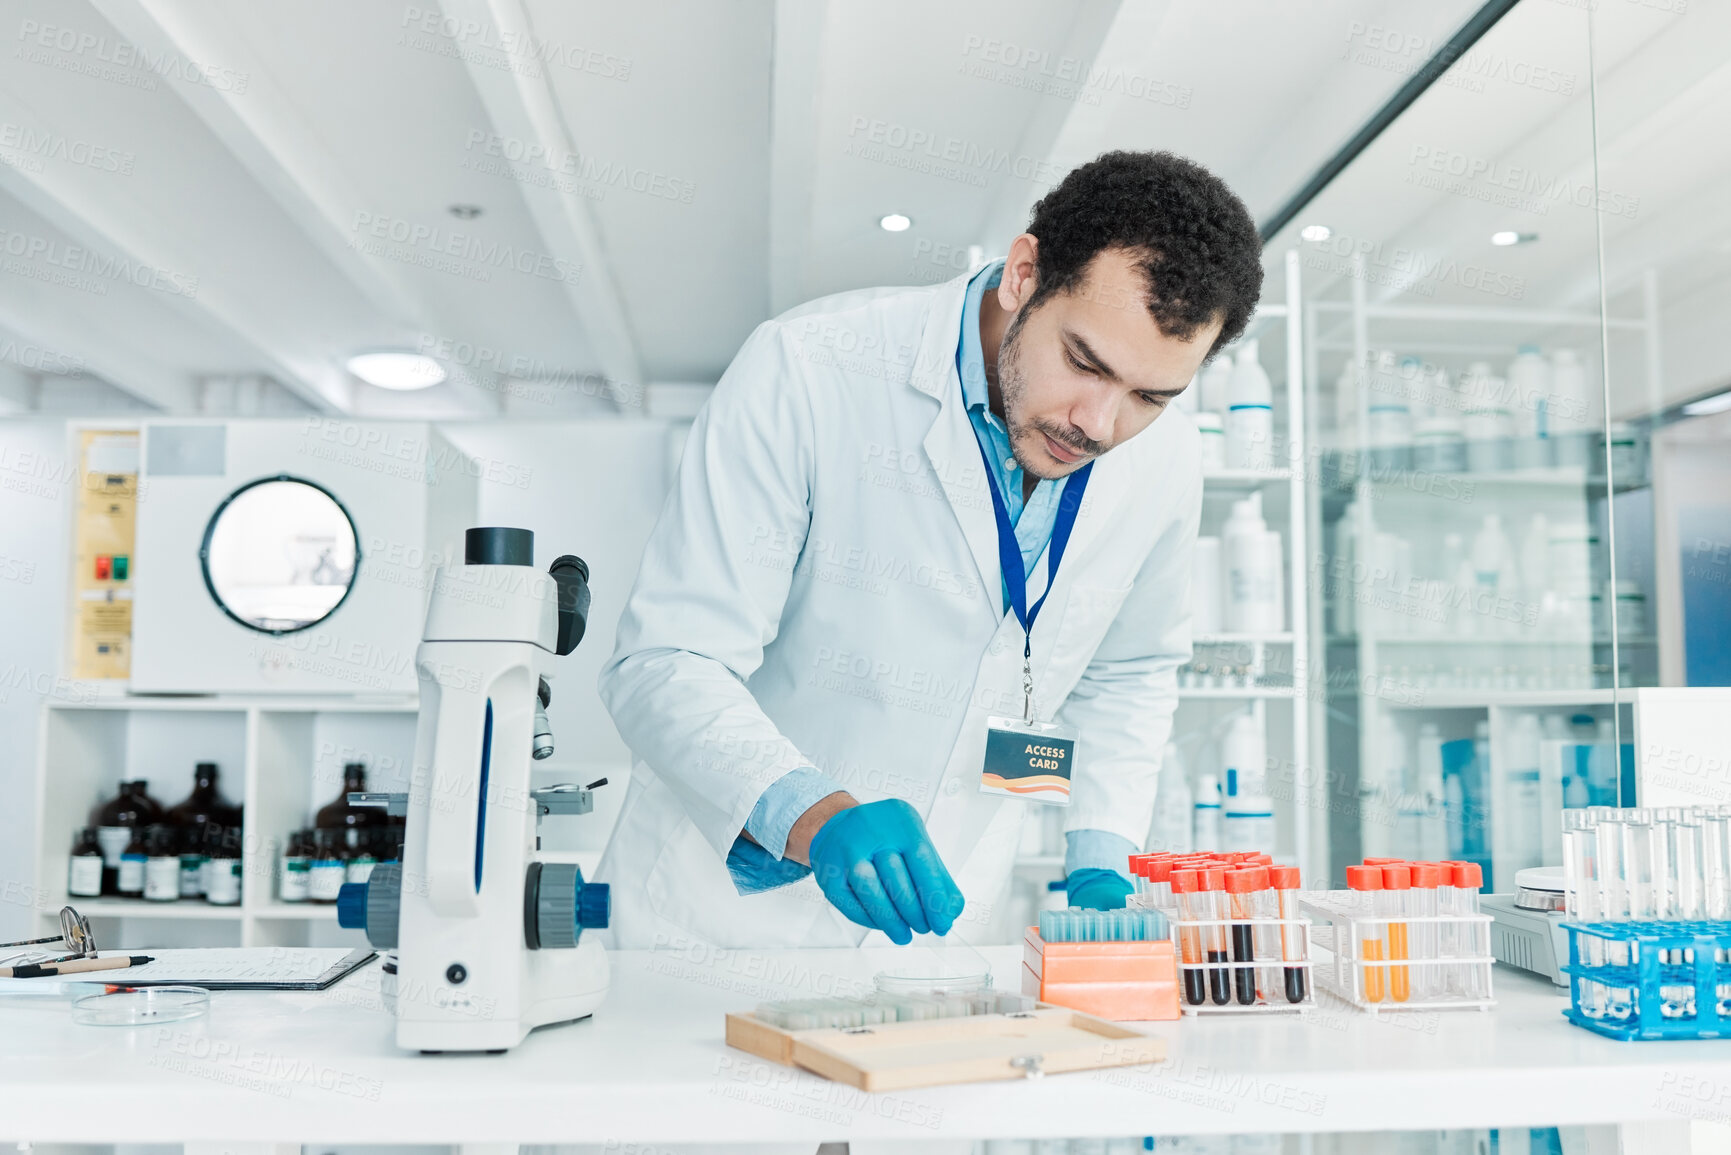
(1436, 981)
(1270, 974)
(1657, 980)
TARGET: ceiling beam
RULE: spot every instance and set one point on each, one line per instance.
(70, 345)
(1107, 34)
(795, 111)
(526, 107)
(113, 226)
(261, 130)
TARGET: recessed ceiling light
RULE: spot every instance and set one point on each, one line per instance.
(389, 370)
(1510, 237)
(465, 212)
(1316, 232)
(1717, 403)
(894, 223)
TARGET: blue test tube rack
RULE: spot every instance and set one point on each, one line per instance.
(1649, 981)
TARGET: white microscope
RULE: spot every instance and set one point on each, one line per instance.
(487, 929)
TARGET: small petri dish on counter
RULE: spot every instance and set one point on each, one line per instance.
(140, 1006)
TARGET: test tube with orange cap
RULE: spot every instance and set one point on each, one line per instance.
(1283, 881)
(1468, 877)
(1367, 882)
(1427, 979)
(1396, 900)
(1186, 885)
(1241, 887)
(1212, 894)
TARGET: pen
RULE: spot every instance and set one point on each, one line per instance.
(75, 966)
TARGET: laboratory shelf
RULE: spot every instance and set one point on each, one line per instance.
(1280, 639)
(1243, 479)
(1456, 698)
(1454, 486)
(1233, 693)
(138, 908)
(310, 911)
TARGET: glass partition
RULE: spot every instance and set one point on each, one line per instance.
(1461, 657)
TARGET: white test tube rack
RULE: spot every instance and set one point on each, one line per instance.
(1436, 983)
(1270, 972)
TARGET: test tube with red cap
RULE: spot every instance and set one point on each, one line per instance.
(1367, 882)
(1240, 894)
(1186, 887)
(1213, 895)
(1397, 904)
(1283, 885)
(1468, 877)
(1158, 874)
(1427, 979)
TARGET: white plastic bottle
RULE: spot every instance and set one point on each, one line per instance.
(1530, 390)
(1250, 412)
(1247, 824)
(1485, 419)
(1389, 437)
(1174, 807)
(1570, 410)
(1207, 588)
(1522, 791)
(1379, 791)
(1215, 381)
(1433, 838)
(1245, 753)
(1493, 579)
(1252, 555)
(1205, 825)
(1213, 441)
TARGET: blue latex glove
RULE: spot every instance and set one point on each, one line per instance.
(1097, 889)
(876, 864)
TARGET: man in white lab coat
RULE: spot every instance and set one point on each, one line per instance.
(925, 572)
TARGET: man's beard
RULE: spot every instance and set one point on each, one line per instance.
(1013, 387)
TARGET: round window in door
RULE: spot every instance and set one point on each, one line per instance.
(279, 554)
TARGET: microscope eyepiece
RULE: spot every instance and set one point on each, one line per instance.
(498, 545)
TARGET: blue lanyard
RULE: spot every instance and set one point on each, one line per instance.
(1010, 553)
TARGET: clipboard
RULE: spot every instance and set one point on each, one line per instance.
(262, 968)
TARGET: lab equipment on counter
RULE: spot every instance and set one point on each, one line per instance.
(489, 935)
(1241, 942)
(140, 1006)
(888, 1042)
(1527, 926)
(1404, 936)
(1648, 895)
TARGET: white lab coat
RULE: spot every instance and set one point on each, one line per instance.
(823, 589)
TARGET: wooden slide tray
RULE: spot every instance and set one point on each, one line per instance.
(933, 1052)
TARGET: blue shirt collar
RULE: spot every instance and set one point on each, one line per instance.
(970, 360)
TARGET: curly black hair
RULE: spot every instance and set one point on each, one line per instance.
(1196, 244)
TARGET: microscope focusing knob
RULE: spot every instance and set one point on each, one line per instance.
(374, 905)
(594, 905)
(552, 916)
(352, 906)
(560, 905)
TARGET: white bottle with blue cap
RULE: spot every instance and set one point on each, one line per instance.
(1250, 412)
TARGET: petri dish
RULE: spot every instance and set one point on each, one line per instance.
(140, 1006)
(951, 967)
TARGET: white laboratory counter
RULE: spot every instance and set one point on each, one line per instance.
(651, 1067)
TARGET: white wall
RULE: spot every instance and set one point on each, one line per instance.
(38, 479)
(592, 488)
(589, 487)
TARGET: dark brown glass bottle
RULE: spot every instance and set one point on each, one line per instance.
(205, 820)
(115, 820)
(339, 815)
